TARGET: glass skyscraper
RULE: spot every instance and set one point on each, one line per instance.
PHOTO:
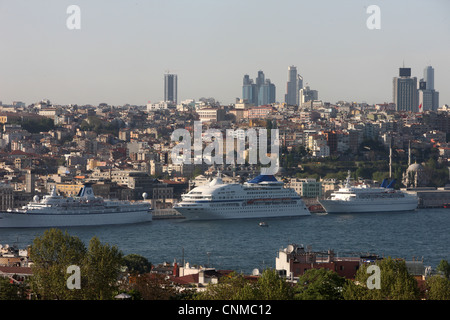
(428, 96)
(170, 87)
(260, 93)
(292, 88)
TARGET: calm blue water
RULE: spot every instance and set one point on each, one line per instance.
(243, 245)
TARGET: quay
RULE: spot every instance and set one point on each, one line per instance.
(431, 197)
(159, 214)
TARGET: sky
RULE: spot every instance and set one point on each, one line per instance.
(123, 48)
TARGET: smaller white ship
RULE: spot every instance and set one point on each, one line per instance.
(363, 198)
(85, 209)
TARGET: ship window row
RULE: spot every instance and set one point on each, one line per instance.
(385, 195)
(225, 205)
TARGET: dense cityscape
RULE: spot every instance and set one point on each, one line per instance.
(125, 153)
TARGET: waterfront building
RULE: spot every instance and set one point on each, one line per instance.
(294, 261)
(306, 188)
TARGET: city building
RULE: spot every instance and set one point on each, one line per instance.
(306, 188)
(294, 261)
(405, 91)
(211, 114)
(428, 96)
(291, 97)
(260, 92)
(307, 94)
(170, 88)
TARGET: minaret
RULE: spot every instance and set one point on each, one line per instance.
(390, 160)
(409, 154)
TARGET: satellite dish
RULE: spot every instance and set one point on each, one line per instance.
(36, 198)
(290, 248)
(255, 272)
(144, 195)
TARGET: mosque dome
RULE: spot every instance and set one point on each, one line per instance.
(415, 176)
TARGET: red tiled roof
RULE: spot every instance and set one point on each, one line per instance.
(16, 270)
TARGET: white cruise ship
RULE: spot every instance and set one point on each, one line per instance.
(84, 210)
(262, 197)
(359, 199)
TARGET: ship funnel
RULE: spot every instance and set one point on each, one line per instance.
(87, 191)
(391, 185)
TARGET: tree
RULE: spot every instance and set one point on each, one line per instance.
(11, 291)
(270, 286)
(100, 266)
(137, 264)
(231, 287)
(153, 286)
(444, 267)
(395, 283)
(438, 288)
(320, 284)
(51, 255)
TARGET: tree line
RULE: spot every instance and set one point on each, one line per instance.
(105, 272)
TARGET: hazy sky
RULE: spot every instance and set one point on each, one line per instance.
(124, 47)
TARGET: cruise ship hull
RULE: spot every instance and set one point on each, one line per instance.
(39, 220)
(341, 206)
(239, 212)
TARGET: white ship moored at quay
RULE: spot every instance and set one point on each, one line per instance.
(83, 210)
(261, 197)
(362, 198)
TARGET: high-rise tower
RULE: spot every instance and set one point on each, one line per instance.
(170, 87)
(260, 93)
(291, 97)
(405, 93)
(428, 96)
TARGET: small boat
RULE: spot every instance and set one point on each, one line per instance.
(263, 224)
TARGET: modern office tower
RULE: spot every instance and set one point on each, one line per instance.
(266, 93)
(405, 92)
(291, 97)
(428, 96)
(299, 87)
(249, 90)
(260, 93)
(170, 87)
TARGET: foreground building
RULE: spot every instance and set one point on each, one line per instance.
(294, 261)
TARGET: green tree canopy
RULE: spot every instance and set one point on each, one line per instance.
(53, 252)
(395, 283)
(269, 286)
(438, 288)
(320, 284)
(137, 264)
(12, 291)
(444, 268)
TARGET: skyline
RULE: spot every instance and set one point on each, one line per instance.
(123, 50)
